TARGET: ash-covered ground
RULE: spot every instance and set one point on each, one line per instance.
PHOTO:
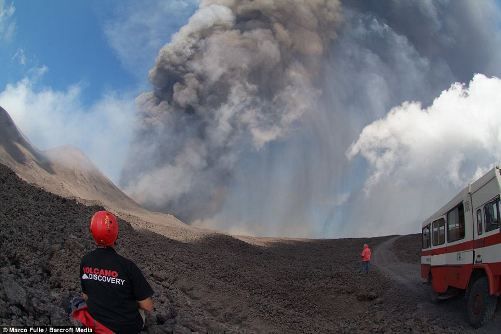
(408, 248)
(218, 284)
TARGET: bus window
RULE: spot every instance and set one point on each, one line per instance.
(438, 232)
(480, 227)
(455, 224)
(426, 237)
(491, 213)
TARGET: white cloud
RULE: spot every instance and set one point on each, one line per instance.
(419, 157)
(51, 118)
(19, 57)
(137, 32)
(7, 23)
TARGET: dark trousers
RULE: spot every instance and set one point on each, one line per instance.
(365, 266)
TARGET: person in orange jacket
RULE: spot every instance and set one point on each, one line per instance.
(366, 258)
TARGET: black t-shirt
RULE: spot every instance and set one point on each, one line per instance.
(113, 284)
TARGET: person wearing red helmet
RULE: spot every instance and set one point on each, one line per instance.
(114, 288)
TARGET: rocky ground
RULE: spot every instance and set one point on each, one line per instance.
(407, 248)
(216, 284)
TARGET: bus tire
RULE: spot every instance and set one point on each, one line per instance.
(433, 296)
(480, 305)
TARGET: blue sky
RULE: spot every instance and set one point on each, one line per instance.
(77, 41)
(68, 38)
(71, 60)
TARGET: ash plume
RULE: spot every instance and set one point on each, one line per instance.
(236, 77)
(255, 103)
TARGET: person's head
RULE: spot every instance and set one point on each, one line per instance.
(366, 246)
(104, 228)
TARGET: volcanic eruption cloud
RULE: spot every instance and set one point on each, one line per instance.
(272, 117)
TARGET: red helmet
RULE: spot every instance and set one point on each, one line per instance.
(104, 228)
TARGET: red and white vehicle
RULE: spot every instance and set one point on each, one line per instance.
(461, 247)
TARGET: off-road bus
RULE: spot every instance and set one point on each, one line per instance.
(461, 247)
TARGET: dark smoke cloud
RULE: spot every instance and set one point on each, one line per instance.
(256, 102)
(460, 35)
(236, 77)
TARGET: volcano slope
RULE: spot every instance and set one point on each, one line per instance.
(216, 284)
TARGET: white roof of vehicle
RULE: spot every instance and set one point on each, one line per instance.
(472, 187)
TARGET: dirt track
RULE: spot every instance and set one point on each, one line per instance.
(216, 284)
(405, 274)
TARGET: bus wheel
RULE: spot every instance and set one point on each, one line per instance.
(480, 305)
(433, 296)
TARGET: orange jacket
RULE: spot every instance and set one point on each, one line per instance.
(366, 254)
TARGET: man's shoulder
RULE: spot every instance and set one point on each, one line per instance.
(88, 255)
(100, 253)
(125, 261)
(97, 253)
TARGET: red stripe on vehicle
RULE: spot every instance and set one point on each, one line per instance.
(491, 240)
(460, 247)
